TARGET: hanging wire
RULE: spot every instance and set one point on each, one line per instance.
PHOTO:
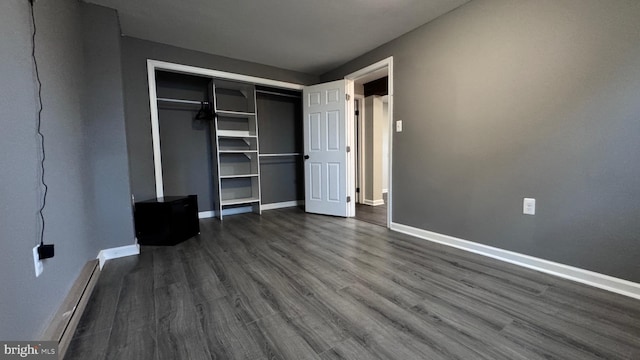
(39, 124)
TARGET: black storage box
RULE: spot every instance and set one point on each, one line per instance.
(167, 220)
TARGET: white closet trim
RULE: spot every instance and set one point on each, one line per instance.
(153, 65)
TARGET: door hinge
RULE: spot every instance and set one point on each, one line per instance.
(357, 113)
(348, 199)
(348, 149)
(358, 190)
(348, 97)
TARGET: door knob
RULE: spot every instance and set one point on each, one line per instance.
(306, 157)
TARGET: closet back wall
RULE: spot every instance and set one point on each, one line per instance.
(135, 53)
(186, 148)
(280, 129)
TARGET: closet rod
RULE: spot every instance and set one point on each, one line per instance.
(184, 101)
(286, 154)
(277, 93)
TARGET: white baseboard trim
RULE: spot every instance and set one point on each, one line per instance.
(281, 205)
(117, 252)
(238, 210)
(605, 282)
(206, 214)
(373, 202)
(230, 211)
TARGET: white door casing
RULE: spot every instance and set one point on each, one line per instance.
(325, 148)
(351, 78)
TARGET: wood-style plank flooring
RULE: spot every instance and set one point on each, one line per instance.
(372, 214)
(288, 285)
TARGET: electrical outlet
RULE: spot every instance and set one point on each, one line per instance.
(37, 263)
(529, 206)
(399, 126)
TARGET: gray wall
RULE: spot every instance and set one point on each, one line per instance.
(374, 123)
(28, 303)
(508, 99)
(186, 142)
(280, 132)
(108, 189)
(138, 119)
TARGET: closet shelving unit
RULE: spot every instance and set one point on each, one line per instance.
(218, 154)
(237, 147)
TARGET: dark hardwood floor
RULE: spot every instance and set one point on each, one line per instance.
(287, 285)
(372, 214)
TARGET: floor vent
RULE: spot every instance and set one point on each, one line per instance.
(66, 319)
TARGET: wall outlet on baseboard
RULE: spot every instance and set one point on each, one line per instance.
(37, 263)
(399, 126)
(529, 206)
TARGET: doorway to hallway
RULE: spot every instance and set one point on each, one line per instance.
(371, 129)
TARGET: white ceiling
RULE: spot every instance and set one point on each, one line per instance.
(312, 36)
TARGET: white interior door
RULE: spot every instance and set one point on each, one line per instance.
(325, 148)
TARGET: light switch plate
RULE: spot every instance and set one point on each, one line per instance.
(399, 126)
(529, 206)
(37, 263)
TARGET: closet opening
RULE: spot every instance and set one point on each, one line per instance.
(235, 141)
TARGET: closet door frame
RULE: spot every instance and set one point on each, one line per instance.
(153, 65)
